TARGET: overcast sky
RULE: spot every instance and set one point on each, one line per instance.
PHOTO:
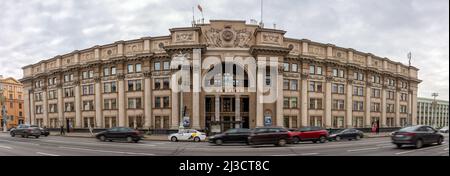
(33, 30)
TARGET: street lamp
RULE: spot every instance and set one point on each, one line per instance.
(433, 105)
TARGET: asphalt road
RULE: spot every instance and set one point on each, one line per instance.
(70, 146)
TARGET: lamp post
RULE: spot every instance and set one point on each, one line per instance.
(433, 106)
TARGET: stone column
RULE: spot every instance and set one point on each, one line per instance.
(280, 97)
(367, 104)
(175, 111)
(260, 82)
(383, 107)
(98, 103)
(349, 103)
(328, 102)
(148, 100)
(397, 108)
(77, 105)
(196, 59)
(45, 107)
(121, 100)
(414, 107)
(217, 108)
(304, 102)
(31, 119)
(238, 111)
(60, 105)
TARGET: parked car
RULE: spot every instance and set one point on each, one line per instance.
(313, 134)
(349, 134)
(44, 131)
(444, 130)
(238, 135)
(187, 135)
(269, 135)
(120, 133)
(26, 131)
(417, 135)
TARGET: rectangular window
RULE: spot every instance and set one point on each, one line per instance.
(390, 108)
(286, 103)
(403, 97)
(376, 93)
(375, 107)
(157, 84)
(109, 104)
(294, 85)
(53, 108)
(106, 71)
(166, 83)
(134, 103)
(315, 103)
(88, 105)
(312, 69)
(319, 71)
(403, 109)
(138, 68)
(38, 109)
(166, 65)
(338, 122)
(338, 105)
(157, 102)
(157, 66)
(285, 84)
(69, 107)
(358, 106)
(134, 85)
(335, 72)
(109, 87)
(68, 92)
(91, 74)
(52, 95)
(88, 89)
(130, 68)
(293, 103)
(166, 102)
(357, 122)
(85, 75)
(113, 70)
(294, 68)
(286, 67)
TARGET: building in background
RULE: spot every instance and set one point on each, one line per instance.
(11, 90)
(127, 83)
(432, 113)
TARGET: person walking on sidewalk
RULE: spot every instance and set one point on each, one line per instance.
(62, 132)
(378, 127)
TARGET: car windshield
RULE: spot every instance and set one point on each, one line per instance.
(409, 129)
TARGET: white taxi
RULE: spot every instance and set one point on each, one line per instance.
(187, 135)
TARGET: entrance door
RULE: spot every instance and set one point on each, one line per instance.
(245, 122)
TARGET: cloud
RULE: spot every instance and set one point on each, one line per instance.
(33, 30)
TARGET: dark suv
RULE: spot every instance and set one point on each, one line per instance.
(25, 131)
(269, 135)
(120, 133)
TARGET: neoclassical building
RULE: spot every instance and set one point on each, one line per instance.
(128, 83)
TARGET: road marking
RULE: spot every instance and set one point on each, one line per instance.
(47, 154)
(446, 149)
(307, 154)
(428, 148)
(5, 147)
(364, 149)
(148, 145)
(107, 151)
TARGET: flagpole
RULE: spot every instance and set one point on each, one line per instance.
(193, 17)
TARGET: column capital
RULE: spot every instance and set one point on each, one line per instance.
(97, 79)
(350, 81)
(147, 74)
(305, 75)
(121, 76)
(329, 78)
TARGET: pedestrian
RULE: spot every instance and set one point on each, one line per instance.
(378, 127)
(90, 130)
(373, 127)
(62, 132)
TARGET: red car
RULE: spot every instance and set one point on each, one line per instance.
(309, 134)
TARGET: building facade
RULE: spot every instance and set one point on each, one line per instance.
(432, 113)
(11, 90)
(128, 83)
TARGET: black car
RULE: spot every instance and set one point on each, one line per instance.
(25, 131)
(349, 134)
(238, 135)
(269, 135)
(417, 136)
(120, 133)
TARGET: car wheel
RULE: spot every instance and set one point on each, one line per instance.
(25, 135)
(322, 139)
(13, 134)
(136, 141)
(338, 138)
(295, 140)
(314, 141)
(129, 139)
(110, 140)
(419, 144)
(174, 139)
(103, 138)
(197, 139)
(358, 137)
(399, 145)
(439, 142)
(281, 142)
(219, 142)
(36, 137)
